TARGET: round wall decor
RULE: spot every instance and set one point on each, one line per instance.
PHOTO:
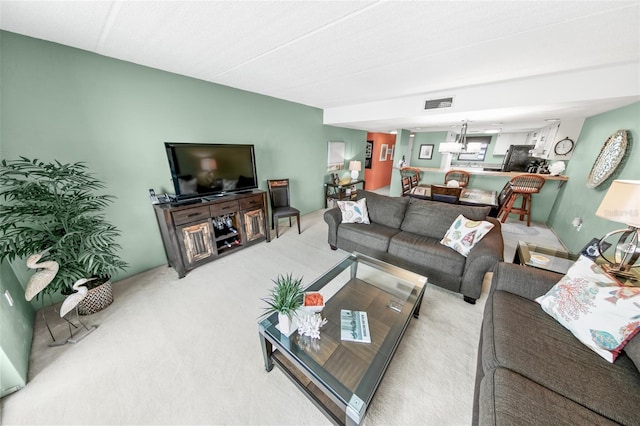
(609, 159)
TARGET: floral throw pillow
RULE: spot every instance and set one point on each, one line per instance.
(354, 211)
(464, 234)
(602, 313)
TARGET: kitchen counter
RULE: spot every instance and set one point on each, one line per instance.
(481, 172)
(488, 180)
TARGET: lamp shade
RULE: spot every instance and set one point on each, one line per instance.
(355, 166)
(208, 164)
(449, 147)
(621, 203)
(473, 147)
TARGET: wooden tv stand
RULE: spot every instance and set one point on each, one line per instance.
(197, 233)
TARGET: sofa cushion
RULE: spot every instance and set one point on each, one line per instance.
(633, 350)
(354, 211)
(599, 311)
(507, 398)
(439, 263)
(464, 234)
(520, 336)
(368, 239)
(388, 211)
(433, 219)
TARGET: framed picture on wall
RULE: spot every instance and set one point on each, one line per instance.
(368, 154)
(383, 152)
(335, 159)
(426, 152)
(390, 152)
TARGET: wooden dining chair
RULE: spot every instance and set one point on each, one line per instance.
(413, 173)
(504, 194)
(460, 176)
(406, 186)
(281, 203)
(445, 194)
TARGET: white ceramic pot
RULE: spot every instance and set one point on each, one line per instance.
(287, 325)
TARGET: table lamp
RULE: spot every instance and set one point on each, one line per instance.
(621, 204)
(355, 167)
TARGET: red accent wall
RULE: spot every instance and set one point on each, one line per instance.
(379, 175)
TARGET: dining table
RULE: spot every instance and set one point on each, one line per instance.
(468, 197)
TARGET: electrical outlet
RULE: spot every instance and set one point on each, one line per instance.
(577, 223)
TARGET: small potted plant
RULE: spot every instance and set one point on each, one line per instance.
(285, 298)
(54, 210)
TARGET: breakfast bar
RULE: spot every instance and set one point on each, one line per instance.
(490, 180)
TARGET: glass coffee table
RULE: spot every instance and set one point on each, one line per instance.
(541, 257)
(340, 377)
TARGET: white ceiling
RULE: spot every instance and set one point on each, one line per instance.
(372, 64)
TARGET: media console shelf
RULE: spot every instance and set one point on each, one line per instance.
(198, 233)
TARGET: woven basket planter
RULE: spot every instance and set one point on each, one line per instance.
(97, 299)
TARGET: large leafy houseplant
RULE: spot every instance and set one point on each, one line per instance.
(285, 297)
(54, 207)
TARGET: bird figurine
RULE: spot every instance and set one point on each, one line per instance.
(40, 279)
(73, 299)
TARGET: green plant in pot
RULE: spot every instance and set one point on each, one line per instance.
(285, 298)
(55, 208)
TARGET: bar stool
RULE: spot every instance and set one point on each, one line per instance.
(521, 186)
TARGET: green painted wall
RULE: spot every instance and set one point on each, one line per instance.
(427, 138)
(71, 105)
(575, 199)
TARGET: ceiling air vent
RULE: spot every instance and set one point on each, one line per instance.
(438, 103)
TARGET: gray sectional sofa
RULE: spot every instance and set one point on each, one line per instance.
(531, 370)
(406, 232)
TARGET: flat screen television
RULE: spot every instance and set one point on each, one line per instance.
(201, 169)
(517, 159)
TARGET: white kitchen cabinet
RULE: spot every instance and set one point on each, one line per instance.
(545, 137)
(548, 137)
(505, 140)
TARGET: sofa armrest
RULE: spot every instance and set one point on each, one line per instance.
(333, 217)
(522, 280)
(482, 259)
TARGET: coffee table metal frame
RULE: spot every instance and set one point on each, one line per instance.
(340, 403)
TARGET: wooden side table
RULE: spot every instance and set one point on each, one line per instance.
(339, 191)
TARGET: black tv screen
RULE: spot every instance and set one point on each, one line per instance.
(199, 169)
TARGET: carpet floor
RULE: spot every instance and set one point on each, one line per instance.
(186, 351)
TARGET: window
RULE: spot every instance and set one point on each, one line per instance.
(479, 155)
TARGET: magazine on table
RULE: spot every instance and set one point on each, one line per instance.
(354, 326)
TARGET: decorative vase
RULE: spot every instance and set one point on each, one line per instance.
(97, 299)
(287, 325)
